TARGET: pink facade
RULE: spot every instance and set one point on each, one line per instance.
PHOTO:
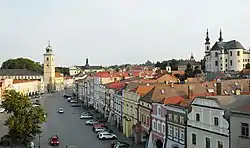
(158, 122)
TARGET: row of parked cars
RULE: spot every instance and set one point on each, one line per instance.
(98, 126)
(102, 131)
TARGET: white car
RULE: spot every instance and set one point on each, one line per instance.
(91, 122)
(104, 136)
(73, 101)
(100, 129)
(69, 99)
(86, 116)
(2, 110)
(60, 110)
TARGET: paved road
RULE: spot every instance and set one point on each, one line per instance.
(68, 126)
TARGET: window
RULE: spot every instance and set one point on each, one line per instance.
(47, 65)
(216, 121)
(170, 130)
(238, 53)
(154, 125)
(176, 132)
(193, 139)
(231, 53)
(231, 62)
(170, 117)
(216, 63)
(47, 58)
(158, 110)
(226, 65)
(225, 60)
(216, 54)
(219, 144)
(159, 126)
(181, 120)
(147, 120)
(175, 118)
(207, 144)
(238, 61)
(244, 129)
(197, 117)
(220, 58)
(182, 134)
(163, 128)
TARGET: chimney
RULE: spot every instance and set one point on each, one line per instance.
(190, 92)
(218, 87)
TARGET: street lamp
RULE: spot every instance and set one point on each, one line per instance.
(39, 140)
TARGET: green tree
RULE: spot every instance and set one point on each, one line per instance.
(63, 70)
(22, 63)
(24, 120)
(189, 72)
(248, 66)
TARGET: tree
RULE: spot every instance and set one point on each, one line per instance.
(189, 71)
(25, 120)
(63, 70)
(248, 66)
(22, 63)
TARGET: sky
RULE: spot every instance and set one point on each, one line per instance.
(109, 32)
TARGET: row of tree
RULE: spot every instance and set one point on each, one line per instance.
(24, 63)
(25, 120)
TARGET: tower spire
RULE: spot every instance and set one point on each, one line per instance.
(220, 38)
(49, 43)
(207, 39)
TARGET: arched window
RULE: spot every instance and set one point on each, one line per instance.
(47, 58)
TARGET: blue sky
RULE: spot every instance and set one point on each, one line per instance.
(118, 31)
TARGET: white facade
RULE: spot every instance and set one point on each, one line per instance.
(225, 56)
(206, 125)
(118, 106)
(240, 130)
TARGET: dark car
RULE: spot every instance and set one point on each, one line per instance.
(54, 141)
(118, 144)
(75, 105)
(66, 96)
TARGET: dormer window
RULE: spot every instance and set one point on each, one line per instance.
(214, 84)
(235, 83)
(162, 92)
(210, 90)
(233, 91)
(225, 92)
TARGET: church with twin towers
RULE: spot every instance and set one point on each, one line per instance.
(225, 56)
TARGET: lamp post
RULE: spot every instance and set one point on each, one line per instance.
(39, 140)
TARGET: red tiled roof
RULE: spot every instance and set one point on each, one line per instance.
(116, 85)
(173, 100)
(57, 75)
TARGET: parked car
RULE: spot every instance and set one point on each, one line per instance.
(101, 120)
(100, 129)
(97, 125)
(69, 99)
(86, 116)
(61, 110)
(90, 122)
(119, 144)
(107, 136)
(2, 110)
(73, 101)
(54, 140)
(76, 105)
(107, 130)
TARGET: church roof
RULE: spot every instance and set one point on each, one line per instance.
(233, 44)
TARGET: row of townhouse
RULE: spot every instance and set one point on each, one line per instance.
(131, 102)
(208, 122)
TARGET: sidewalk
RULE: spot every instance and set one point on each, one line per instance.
(119, 134)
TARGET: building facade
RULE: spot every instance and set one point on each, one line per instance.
(225, 56)
(158, 126)
(130, 112)
(206, 125)
(176, 124)
(49, 69)
(239, 127)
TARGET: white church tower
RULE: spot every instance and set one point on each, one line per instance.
(49, 69)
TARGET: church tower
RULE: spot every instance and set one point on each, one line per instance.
(207, 43)
(49, 69)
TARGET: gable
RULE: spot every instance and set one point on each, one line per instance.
(205, 102)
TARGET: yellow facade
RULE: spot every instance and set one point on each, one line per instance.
(130, 112)
(27, 87)
(59, 83)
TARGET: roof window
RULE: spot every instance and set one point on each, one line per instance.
(236, 83)
(210, 90)
(162, 92)
(233, 91)
(214, 84)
